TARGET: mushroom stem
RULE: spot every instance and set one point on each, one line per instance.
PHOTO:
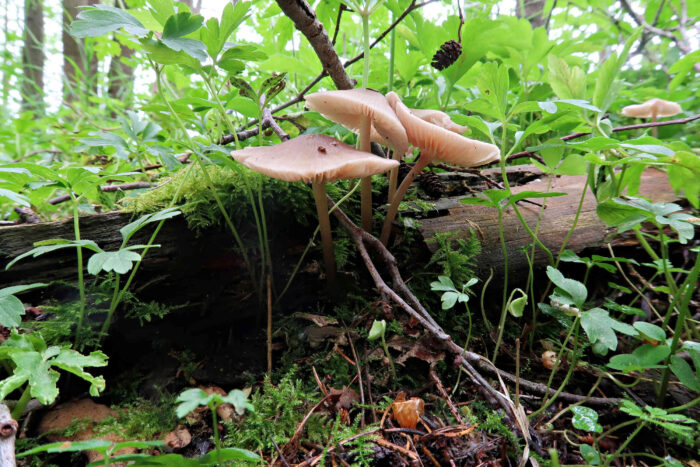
(325, 226)
(654, 130)
(393, 176)
(420, 164)
(366, 189)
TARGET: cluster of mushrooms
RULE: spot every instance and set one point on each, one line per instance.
(383, 119)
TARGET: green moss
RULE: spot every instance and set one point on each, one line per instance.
(197, 203)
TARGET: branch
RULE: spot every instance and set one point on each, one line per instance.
(106, 189)
(678, 121)
(305, 20)
(362, 239)
(300, 95)
(267, 120)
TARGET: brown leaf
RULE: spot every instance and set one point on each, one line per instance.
(318, 320)
(178, 438)
(424, 349)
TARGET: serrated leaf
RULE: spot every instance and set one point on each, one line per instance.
(103, 19)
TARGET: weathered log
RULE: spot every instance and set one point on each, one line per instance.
(8, 431)
(451, 216)
(208, 263)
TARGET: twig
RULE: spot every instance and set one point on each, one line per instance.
(279, 453)
(105, 189)
(465, 357)
(300, 95)
(337, 22)
(359, 378)
(448, 401)
(270, 122)
(384, 443)
(678, 121)
(183, 159)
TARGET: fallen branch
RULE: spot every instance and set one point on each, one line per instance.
(466, 358)
(106, 189)
(678, 121)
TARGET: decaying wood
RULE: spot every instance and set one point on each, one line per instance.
(451, 216)
(8, 430)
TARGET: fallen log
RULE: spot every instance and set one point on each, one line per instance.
(451, 216)
(207, 263)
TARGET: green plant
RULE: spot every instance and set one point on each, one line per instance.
(190, 399)
(378, 331)
(34, 366)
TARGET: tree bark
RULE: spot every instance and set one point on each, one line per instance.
(305, 20)
(532, 10)
(8, 431)
(79, 71)
(32, 86)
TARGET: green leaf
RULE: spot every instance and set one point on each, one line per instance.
(11, 311)
(566, 83)
(517, 306)
(229, 454)
(574, 288)
(15, 289)
(449, 299)
(244, 89)
(181, 24)
(652, 331)
(684, 373)
(190, 399)
(377, 331)
(130, 229)
(15, 197)
(589, 454)
(103, 19)
(120, 261)
(597, 324)
(585, 419)
(47, 246)
(493, 83)
(444, 284)
(74, 362)
(239, 400)
(604, 92)
(273, 86)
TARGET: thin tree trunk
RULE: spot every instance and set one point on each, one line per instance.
(532, 10)
(76, 73)
(32, 87)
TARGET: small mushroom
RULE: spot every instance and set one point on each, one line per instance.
(368, 113)
(435, 143)
(318, 159)
(439, 118)
(653, 109)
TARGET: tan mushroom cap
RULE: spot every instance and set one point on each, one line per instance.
(652, 107)
(316, 158)
(347, 107)
(436, 117)
(440, 143)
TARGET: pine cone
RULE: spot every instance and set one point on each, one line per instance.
(448, 53)
(404, 169)
(431, 184)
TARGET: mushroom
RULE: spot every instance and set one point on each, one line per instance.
(435, 143)
(439, 118)
(318, 159)
(652, 108)
(367, 112)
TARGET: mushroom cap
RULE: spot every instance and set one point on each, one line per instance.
(316, 158)
(347, 107)
(658, 107)
(442, 144)
(436, 117)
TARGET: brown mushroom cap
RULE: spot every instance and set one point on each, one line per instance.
(347, 107)
(436, 117)
(316, 158)
(651, 108)
(442, 144)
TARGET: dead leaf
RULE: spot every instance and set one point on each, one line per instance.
(424, 349)
(318, 320)
(178, 438)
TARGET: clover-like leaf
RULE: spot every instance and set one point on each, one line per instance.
(586, 419)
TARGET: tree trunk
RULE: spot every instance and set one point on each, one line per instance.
(532, 10)
(79, 78)
(32, 87)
